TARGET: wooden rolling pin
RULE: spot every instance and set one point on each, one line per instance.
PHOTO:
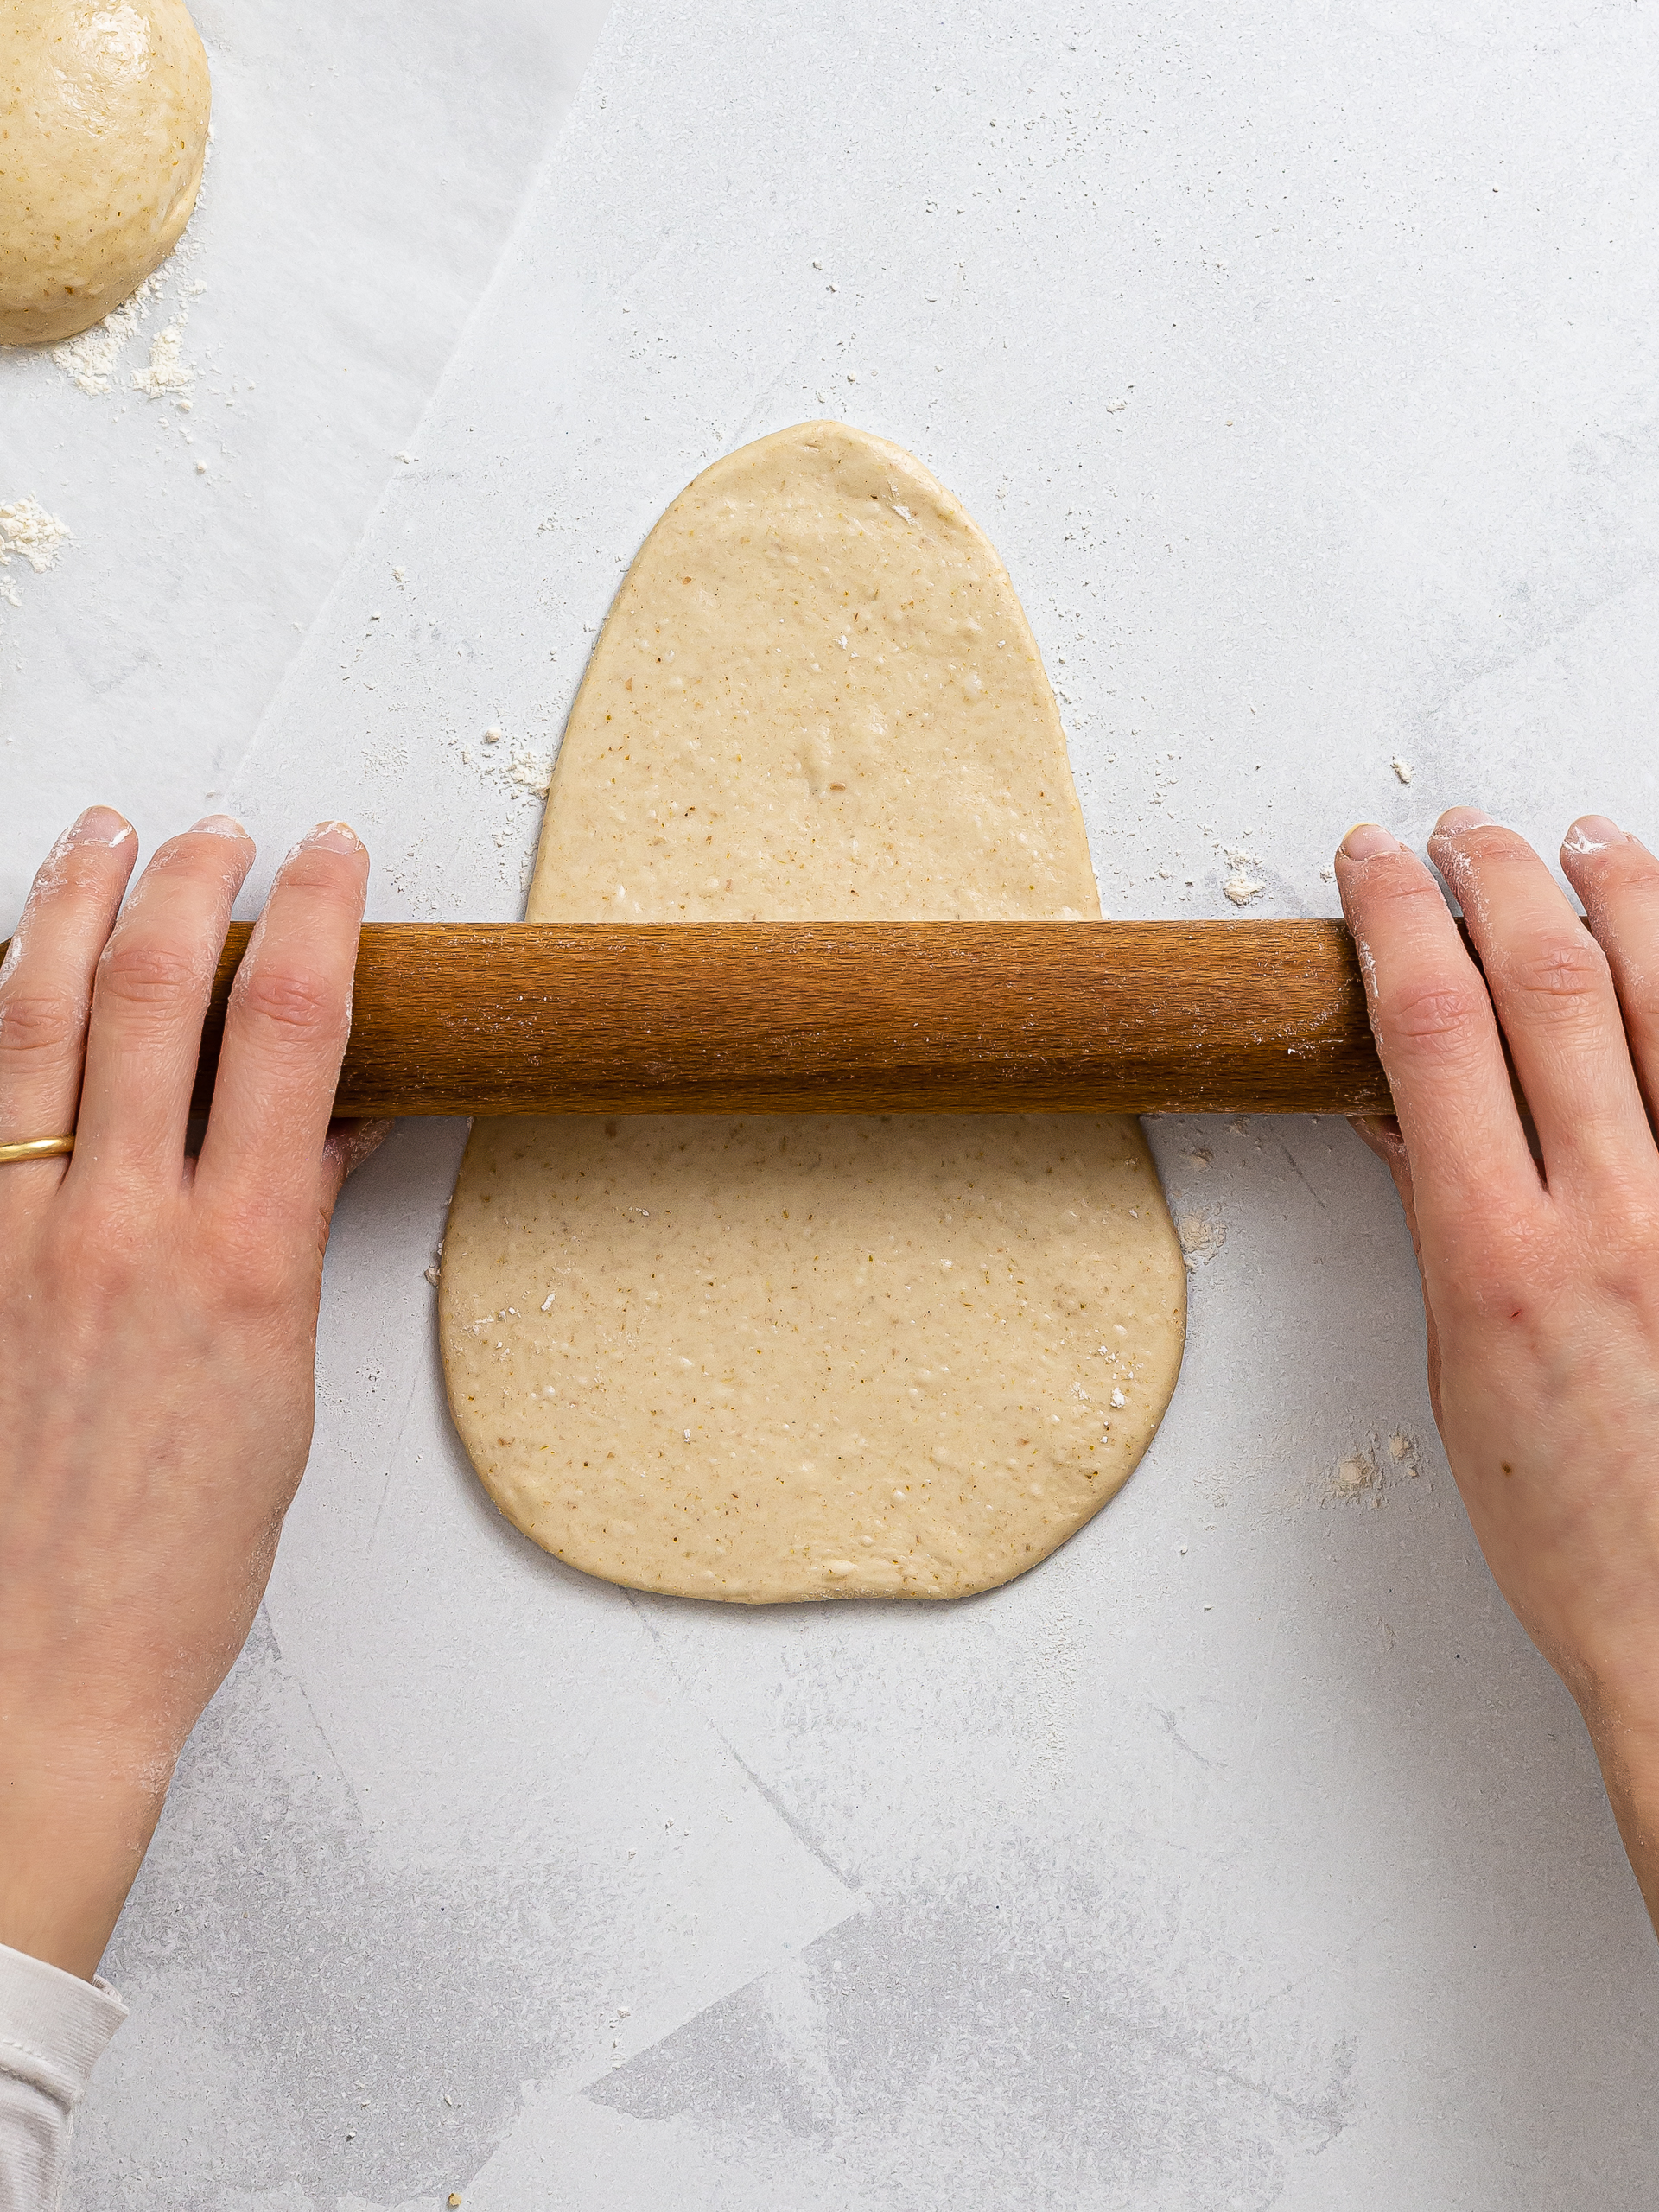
(865, 1017)
(849, 1017)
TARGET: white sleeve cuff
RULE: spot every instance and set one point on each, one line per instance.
(52, 2029)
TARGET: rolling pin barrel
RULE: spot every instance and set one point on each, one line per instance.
(850, 1017)
(872, 1017)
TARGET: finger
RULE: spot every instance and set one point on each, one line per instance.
(349, 1145)
(151, 992)
(1436, 1034)
(1618, 879)
(46, 985)
(1553, 989)
(285, 1033)
(1380, 1133)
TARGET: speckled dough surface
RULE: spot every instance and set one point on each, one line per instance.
(763, 1357)
(104, 112)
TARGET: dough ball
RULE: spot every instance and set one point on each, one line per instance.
(104, 107)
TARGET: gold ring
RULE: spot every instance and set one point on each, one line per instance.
(38, 1148)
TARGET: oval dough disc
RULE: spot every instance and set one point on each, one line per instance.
(760, 1358)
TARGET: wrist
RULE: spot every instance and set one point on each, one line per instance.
(1621, 1711)
(77, 1813)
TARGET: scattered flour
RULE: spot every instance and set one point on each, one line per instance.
(168, 376)
(520, 769)
(28, 531)
(530, 771)
(1402, 768)
(1244, 884)
(521, 773)
(89, 360)
(1202, 1237)
(1354, 1475)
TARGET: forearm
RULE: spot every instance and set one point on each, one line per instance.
(76, 1818)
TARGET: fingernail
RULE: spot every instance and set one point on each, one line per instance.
(99, 825)
(331, 837)
(1456, 819)
(1592, 833)
(1368, 841)
(219, 825)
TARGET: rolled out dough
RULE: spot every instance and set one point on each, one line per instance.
(762, 1357)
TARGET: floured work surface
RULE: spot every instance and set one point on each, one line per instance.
(764, 1357)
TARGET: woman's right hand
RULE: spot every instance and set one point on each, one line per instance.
(1540, 1276)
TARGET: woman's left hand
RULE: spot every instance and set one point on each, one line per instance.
(158, 1324)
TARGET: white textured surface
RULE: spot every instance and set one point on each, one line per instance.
(1302, 362)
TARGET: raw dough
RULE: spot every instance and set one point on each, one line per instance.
(761, 1357)
(104, 109)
